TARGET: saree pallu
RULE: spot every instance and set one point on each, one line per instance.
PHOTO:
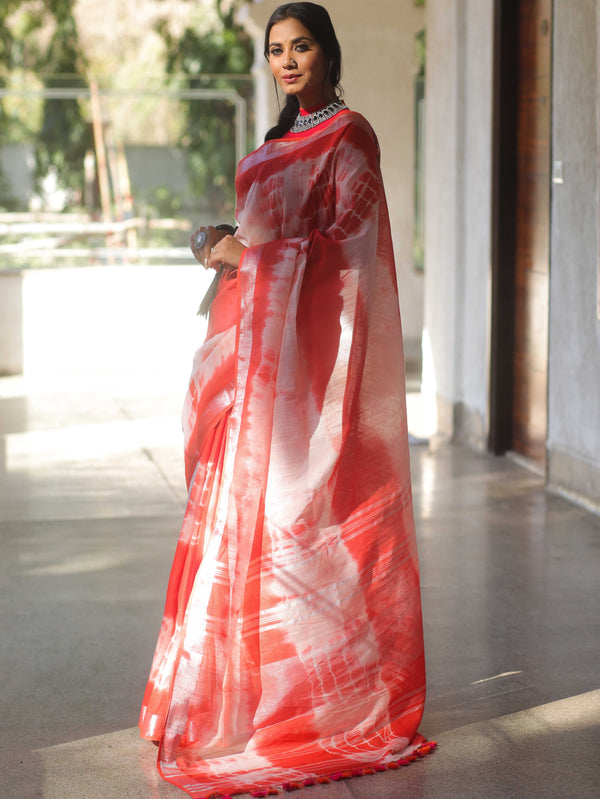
(291, 644)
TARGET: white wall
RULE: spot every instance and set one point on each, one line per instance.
(130, 322)
(379, 64)
(442, 139)
(574, 336)
(474, 321)
(458, 212)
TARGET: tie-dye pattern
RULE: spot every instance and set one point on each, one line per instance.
(291, 644)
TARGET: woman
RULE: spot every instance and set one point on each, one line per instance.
(291, 646)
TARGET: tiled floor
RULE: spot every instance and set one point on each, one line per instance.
(91, 498)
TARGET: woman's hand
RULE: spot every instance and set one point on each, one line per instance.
(228, 251)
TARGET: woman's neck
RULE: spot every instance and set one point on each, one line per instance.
(306, 111)
(320, 100)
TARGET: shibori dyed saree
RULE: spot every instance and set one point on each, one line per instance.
(291, 645)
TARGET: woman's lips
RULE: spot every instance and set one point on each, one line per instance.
(291, 78)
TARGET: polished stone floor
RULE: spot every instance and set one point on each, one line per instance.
(91, 498)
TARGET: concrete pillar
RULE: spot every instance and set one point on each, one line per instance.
(11, 322)
(458, 92)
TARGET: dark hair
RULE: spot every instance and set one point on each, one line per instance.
(315, 19)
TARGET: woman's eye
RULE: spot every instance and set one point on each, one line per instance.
(276, 51)
(302, 48)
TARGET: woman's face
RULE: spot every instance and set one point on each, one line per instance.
(298, 63)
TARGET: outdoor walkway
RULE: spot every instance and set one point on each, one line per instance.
(91, 499)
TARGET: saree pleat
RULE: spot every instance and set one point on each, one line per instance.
(291, 644)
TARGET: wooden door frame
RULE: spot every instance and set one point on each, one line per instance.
(503, 233)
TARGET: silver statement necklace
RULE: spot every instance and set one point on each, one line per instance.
(308, 121)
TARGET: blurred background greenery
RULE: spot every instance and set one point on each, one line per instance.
(174, 96)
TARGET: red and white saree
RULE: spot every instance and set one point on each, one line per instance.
(291, 645)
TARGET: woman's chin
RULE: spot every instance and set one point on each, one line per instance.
(290, 89)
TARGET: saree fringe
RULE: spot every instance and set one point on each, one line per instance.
(288, 787)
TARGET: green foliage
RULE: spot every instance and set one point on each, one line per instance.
(9, 60)
(209, 126)
(64, 134)
(421, 43)
(161, 202)
(11, 56)
(39, 45)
